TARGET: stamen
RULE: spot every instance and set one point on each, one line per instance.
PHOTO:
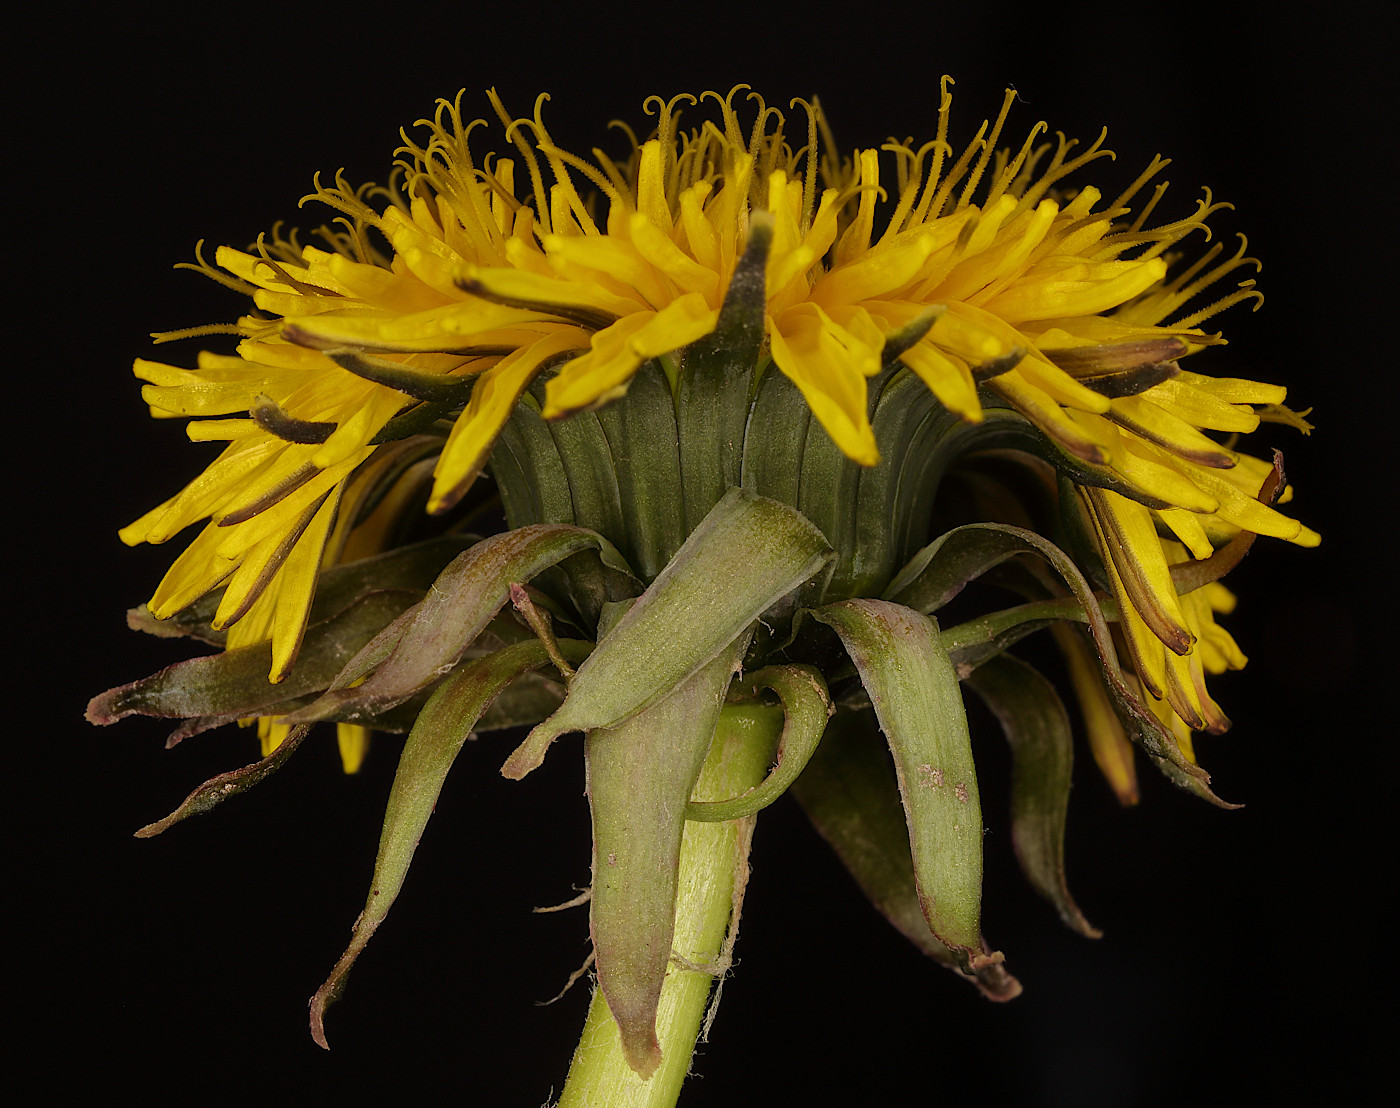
(1007, 174)
(831, 159)
(1023, 179)
(1194, 268)
(903, 157)
(975, 177)
(809, 180)
(1154, 167)
(941, 198)
(557, 158)
(610, 167)
(1155, 307)
(158, 337)
(690, 162)
(1169, 234)
(338, 241)
(353, 240)
(499, 188)
(1059, 168)
(483, 230)
(199, 265)
(908, 189)
(1247, 291)
(343, 198)
(1084, 221)
(299, 286)
(941, 148)
(1148, 208)
(576, 205)
(732, 132)
(531, 163)
(626, 128)
(393, 192)
(666, 134)
(446, 163)
(285, 247)
(1207, 279)
(765, 151)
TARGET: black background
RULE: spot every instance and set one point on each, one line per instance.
(1244, 951)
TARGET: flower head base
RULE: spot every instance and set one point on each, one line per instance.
(717, 386)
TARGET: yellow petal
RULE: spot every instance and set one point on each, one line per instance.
(1219, 598)
(1248, 514)
(1234, 390)
(354, 434)
(618, 351)
(297, 585)
(384, 289)
(182, 392)
(1148, 654)
(875, 274)
(659, 251)
(962, 322)
(280, 515)
(230, 473)
(272, 734)
(258, 564)
(195, 572)
(1055, 382)
(948, 378)
(353, 742)
(823, 361)
(493, 398)
(258, 271)
(651, 188)
(855, 241)
(967, 336)
(1077, 289)
(680, 323)
(699, 234)
(618, 259)
(981, 278)
(1129, 539)
(1153, 472)
(1187, 527)
(1041, 410)
(1108, 742)
(454, 327)
(1157, 425)
(1199, 407)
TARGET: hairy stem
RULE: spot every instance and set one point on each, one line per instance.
(713, 868)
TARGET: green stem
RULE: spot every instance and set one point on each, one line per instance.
(714, 857)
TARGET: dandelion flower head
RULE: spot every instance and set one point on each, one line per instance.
(430, 307)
